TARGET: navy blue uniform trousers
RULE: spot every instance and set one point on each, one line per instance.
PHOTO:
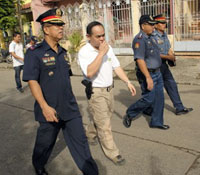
(75, 139)
(153, 98)
(171, 87)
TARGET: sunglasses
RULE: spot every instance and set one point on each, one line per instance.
(149, 24)
(162, 22)
(56, 24)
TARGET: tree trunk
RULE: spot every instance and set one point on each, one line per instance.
(2, 42)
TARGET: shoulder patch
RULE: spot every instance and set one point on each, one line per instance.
(137, 45)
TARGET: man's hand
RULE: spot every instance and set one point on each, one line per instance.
(172, 58)
(103, 48)
(49, 114)
(16, 56)
(131, 88)
(149, 83)
(171, 55)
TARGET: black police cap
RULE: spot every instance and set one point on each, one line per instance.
(52, 16)
(146, 19)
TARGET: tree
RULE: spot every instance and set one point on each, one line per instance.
(8, 18)
(7, 14)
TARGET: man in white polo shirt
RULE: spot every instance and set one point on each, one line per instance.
(16, 50)
(97, 62)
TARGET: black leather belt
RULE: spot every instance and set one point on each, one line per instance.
(154, 70)
(108, 89)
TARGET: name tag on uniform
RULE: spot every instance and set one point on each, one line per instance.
(160, 41)
(48, 61)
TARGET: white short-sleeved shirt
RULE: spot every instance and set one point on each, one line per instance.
(104, 76)
(17, 48)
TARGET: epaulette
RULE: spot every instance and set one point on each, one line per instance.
(140, 36)
(35, 46)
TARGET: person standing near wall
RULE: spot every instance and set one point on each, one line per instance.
(16, 51)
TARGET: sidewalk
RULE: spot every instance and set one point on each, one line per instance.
(186, 71)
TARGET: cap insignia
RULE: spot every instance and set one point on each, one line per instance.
(58, 13)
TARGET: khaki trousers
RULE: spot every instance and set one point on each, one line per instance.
(101, 108)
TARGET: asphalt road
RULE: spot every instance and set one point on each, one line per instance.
(147, 151)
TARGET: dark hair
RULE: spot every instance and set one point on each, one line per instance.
(91, 25)
(15, 34)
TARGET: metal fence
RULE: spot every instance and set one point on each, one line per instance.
(122, 23)
(114, 14)
(187, 20)
(156, 7)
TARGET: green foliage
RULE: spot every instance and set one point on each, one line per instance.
(7, 14)
(75, 40)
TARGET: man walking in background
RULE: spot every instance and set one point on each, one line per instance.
(148, 62)
(16, 51)
(167, 56)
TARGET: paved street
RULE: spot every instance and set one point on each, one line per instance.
(147, 151)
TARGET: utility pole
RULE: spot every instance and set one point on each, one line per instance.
(20, 20)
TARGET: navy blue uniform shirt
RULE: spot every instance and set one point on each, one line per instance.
(51, 71)
(163, 42)
(145, 47)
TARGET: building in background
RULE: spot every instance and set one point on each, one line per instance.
(27, 17)
(120, 18)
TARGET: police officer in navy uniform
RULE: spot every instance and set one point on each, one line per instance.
(47, 72)
(148, 62)
(167, 56)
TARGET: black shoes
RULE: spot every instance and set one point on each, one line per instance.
(147, 113)
(163, 127)
(20, 90)
(184, 111)
(41, 171)
(127, 121)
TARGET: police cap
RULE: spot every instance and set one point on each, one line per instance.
(34, 39)
(146, 19)
(52, 16)
(160, 19)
